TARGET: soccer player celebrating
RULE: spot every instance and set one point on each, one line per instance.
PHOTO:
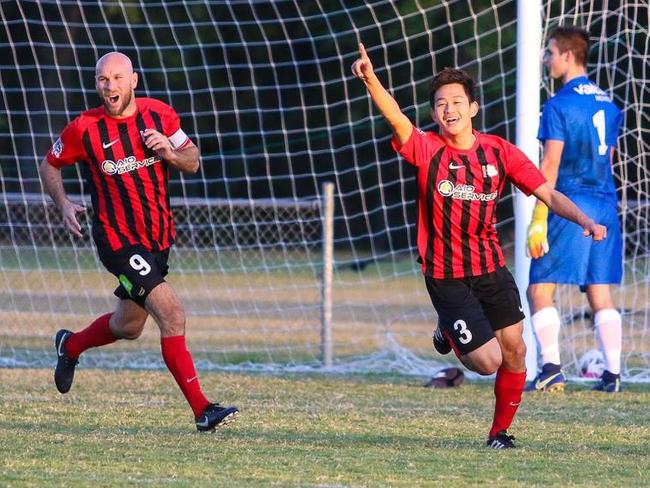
(128, 146)
(579, 128)
(460, 175)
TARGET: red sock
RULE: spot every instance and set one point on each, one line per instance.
(179, 362)
(508, 388)
(95, 335)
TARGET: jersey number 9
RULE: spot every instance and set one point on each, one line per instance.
(139, 264)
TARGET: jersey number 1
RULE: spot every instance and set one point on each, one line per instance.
(599, 123)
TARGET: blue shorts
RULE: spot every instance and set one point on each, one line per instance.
(575, 259)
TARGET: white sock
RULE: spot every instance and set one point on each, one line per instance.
(610, 336)
(546, 325)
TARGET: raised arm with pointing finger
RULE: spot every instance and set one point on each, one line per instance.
(460, 175)
(400, 123)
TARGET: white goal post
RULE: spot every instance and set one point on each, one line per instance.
(529, 40)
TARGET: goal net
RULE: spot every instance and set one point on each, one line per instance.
(265, 91)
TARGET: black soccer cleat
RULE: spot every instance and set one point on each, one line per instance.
(65, 365)
(609, 383)
(502, 440)
(440, 342)
(214, 416)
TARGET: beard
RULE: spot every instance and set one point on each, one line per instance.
(117, 112)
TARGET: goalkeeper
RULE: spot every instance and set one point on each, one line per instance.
(460, 175)
(579, 128)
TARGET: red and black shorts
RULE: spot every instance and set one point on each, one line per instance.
(137, 269)
(471, 309)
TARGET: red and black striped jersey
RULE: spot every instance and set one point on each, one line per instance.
(128, 182)
(458, 191)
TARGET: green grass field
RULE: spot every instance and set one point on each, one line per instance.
(131, 428)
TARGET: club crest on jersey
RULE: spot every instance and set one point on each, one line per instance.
(57, 148)
(463, 192)
(127, 164)
(489, 170)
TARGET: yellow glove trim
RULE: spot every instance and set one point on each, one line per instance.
(536, 242)
(540, 212)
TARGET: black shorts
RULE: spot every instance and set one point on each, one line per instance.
(471, 309)
(137, 269)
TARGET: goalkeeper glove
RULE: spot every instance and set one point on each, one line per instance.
(537, 244)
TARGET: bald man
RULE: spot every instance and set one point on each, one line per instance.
(129, 146)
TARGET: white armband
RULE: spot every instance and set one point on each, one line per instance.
(178, 139)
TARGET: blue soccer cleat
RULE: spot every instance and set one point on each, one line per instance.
(550, 379)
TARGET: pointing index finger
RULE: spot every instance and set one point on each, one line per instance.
(362, 50)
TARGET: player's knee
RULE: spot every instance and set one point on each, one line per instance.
(522, 350)
(488, 367)
(128, 331)
(517, 350)
(173, 324)
(131, 335)
(514, 355)
(532, 293)
(125, 326)
(485, 364)
(539, 296)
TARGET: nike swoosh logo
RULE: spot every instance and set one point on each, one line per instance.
(60, 349)
(106, 145)
(190, 379)
(513, 404)
(203, 423)
(456, 166)
(541, 384)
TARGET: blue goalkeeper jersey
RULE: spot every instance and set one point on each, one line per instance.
(586, 119)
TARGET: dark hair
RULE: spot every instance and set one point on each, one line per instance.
(574, 39)
(448, 76)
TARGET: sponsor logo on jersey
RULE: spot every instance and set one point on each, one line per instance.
(57, 148)
(463, 192)
(445, 188)
(127, 164)
(591, 89)
(126, 283)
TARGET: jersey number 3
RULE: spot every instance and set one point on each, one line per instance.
(599, 123)
(464, 333)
